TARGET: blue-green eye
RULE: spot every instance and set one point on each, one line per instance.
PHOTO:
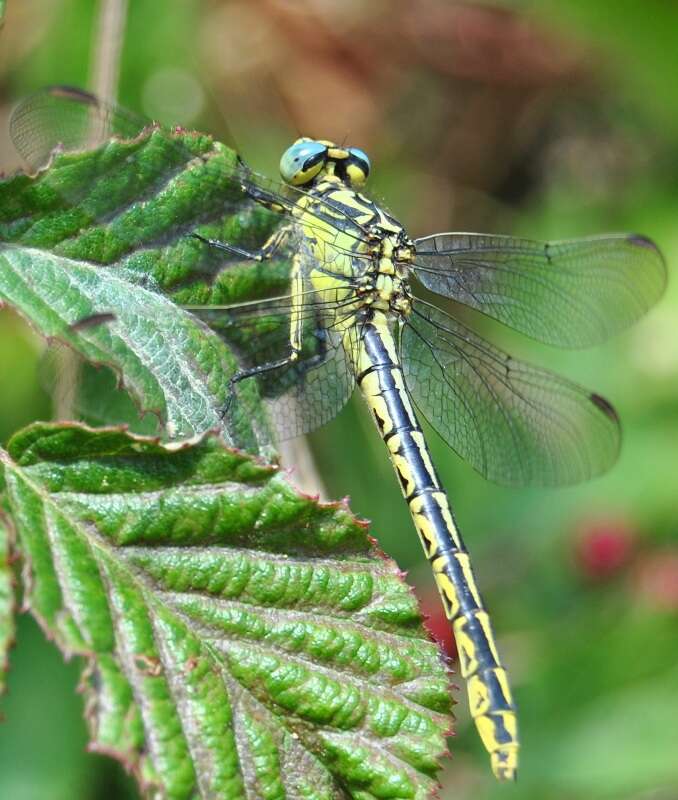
(302, 161)
(362, 157)
(358, 166)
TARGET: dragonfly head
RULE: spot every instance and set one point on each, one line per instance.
(308, 160)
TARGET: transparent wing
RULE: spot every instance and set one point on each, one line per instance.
(79, 390)
(297, 398)
(516, 424)
(302, 395)
(70, 119)
(570, 293)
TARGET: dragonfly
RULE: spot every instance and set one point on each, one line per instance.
(358, 310)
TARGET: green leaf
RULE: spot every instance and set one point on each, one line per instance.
(242, 640)
(169, 360)
(106, 231)
(6, 602)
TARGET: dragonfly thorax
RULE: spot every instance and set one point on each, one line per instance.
(353, 241)
(354, 247)
(392, 253)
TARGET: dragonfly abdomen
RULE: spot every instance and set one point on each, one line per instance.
(380, 378)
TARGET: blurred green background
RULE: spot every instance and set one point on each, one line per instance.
(550, 119)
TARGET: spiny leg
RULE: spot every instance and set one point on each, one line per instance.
(273, 203)
(275, 241)
(293, 358)
(296, 335)
(265, 252)
(252, 372)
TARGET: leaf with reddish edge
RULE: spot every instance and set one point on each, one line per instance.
(242, 640)
(105, 234)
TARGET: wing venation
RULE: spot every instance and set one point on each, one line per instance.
(571, 293)
(517, 424)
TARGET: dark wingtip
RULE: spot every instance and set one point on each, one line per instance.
(607, 409)
(72, 93)
(641, 241)
(659, 266)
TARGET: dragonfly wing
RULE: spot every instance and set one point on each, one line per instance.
(63, 118)
(70, 119)
(317, 387)
(79, 390)
(66, 119)
(515, 423)
(299, 396)
(571, 293)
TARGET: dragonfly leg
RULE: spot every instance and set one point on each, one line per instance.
(264, 253)
(269, 201)
(253, 372)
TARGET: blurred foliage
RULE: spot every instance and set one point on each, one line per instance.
(552, 119)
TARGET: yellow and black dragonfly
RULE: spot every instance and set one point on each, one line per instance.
(352, 313)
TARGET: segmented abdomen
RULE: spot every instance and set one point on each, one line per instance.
(381, 380)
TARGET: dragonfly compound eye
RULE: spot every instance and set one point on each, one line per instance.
(303, 161)
(357, 166)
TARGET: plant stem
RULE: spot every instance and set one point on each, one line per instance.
(105, 71)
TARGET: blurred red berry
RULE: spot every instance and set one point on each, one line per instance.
(603, 547)
(656, 579)
(436, 622)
